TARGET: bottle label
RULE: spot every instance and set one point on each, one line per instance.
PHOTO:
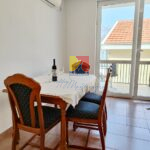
(54, 75)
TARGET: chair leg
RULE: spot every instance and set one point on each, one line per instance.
(102, 137)
(18, 136)
(67, 133)
(14, 139)
(104, 124)
(74, 126)
(42, 142)
(106, 111)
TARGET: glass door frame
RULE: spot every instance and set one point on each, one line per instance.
(140, 12)
(136, 44)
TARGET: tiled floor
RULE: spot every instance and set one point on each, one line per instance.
(128, 129)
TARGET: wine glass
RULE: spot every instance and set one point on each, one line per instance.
(61, 70)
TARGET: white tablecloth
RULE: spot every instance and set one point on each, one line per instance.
(71, 88)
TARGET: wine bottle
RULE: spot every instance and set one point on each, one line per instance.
(54, 74)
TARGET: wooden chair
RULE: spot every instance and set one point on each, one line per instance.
(80, 67)
(93, 98)
(27, 111)
(91, 116)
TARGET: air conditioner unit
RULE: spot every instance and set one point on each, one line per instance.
(55, 3)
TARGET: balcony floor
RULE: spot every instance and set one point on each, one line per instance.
(143, 90)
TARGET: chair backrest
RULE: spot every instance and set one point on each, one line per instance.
(23, 92)
(81, 67)
(103, 99)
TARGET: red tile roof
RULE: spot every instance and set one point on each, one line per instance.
(123, 33)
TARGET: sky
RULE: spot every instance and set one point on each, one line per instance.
(112, 14)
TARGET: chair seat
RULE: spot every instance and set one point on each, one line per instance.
(84, 110)
(51, 116)
(92, 97)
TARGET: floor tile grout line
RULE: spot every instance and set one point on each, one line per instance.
(126, 116)
(111, 148)
(123, 116)
(128, 125)
(130, 137)
(148, 125)
(147, 121)
(137, 127)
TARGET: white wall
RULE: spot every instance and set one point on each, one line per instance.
(81, 29)
(5, 112)
(31, 34)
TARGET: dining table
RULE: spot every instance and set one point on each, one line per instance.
(67, 90)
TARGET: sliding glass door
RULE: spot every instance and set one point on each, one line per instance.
(143, 54)
(122, 44)
(116, 27)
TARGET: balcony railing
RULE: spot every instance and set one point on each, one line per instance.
(123, 73)
(144, 74)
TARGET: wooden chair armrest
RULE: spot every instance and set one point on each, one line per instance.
(53, 100)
